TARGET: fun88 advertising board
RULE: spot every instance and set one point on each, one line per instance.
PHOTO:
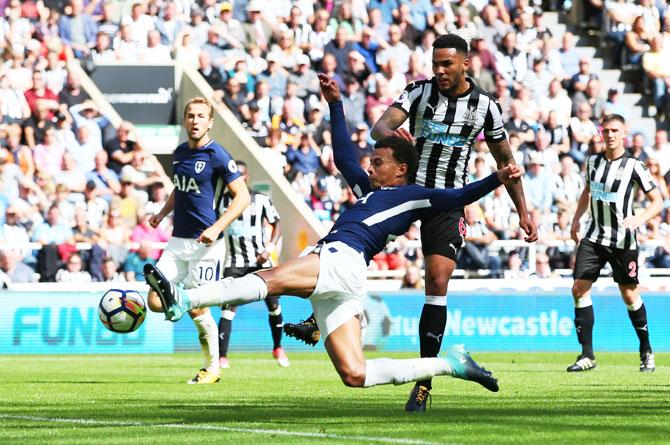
(68, 323)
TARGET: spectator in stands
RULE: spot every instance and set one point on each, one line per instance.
(305, 78)
(580, 79)
(329, 68)
(539, 184)
(73, 272)
(517, 123)
(18, 153)
(140, 22)
(511, 62)
(542, 266)
(410, 34)
(78, 29)
(275, 76)
(491, 27)
(143, 232)
(557, 101)
(379, 101)
(515, 267)
(115, 236)
(121, 149)
(130, 199)
(85, 150)
(396, 50)
(299, 28)
(285, 51)
(72, 93)
(637, 42)
(592, 96)
(304, 158)
(656, 65)
(416, 70)
(296, 104)
(48, 154)
(357, 68)
(103, 52)
(655, 170)
(70, 175)
(463, 26)
(538, 79)
(560, 251)
(569, 55)
(12, 231)
(568, 184)
(14, 271)
(105, 180)
(52, 230)
(368, 48)
(82, 231)
(344, 18)
(125, 47)
(545, 152)
(660, 151)
(475, 251)
(638, 148)
(498, 208)
(235, 100)
(38, 124)
(108, 19)
(134, 264)
(155, 51)
(582, 130)
(169, 25)
(559, 139)
(353, 101)
(412, 278)
(110, 271)
(321, 36)
(257, 30)
(211, 74)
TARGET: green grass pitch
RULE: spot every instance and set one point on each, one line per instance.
(143, 399)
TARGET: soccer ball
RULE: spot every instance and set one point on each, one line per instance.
(122, 311)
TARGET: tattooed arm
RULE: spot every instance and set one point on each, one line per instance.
(502, 153)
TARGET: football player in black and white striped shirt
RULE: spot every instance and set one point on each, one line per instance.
(612, 181)
(247, 251)
(446, 113)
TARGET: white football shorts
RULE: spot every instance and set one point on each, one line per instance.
(340, 289)
(191, 263)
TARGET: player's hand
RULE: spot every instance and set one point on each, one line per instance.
(509, 174)
(262, 257)
(208, 236)
(155, 220)
(329, 88)
(529, 228)
(633, 222)
(403, 133)
(574, 231)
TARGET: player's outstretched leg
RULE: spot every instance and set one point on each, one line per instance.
(175, 303)
(464, 367)
(306, 331)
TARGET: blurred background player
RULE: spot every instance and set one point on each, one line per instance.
(202, 169)
(612, 181)
(248, 250)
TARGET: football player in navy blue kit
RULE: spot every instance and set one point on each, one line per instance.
(333, 274)
(202, 170)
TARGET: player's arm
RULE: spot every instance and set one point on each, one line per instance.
(241, 199)
(168, 207)
(654, 208)
(449, 199)
(272, 219)
(389, 123)
(582, 205)
(344, 152)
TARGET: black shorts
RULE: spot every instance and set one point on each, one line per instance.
(591, 258)
(237, 272)
(442, 233)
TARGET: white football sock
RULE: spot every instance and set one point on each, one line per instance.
(243, 290)
(208, 334)
(382, 371)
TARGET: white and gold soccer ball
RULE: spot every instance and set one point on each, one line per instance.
(122, 311)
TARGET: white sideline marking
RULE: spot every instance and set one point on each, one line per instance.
(206, 427)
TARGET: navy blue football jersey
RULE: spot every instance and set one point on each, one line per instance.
(389, 210)
(200, 177)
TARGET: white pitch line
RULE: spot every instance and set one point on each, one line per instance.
(208, 427)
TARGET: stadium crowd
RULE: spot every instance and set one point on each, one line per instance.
(68, 177)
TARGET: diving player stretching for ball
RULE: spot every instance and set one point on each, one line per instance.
(202, 170)
(333, 275)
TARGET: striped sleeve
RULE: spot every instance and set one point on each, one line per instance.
(642, 176)
(411, 94)
(269, 210)
(588, 172)
(494, 129)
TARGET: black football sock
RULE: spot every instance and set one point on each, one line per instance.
(225, 327)
(276, 324)
(584, 320)
(431, 331)
(639, 320)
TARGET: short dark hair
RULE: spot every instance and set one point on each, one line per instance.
(451, 41)
(403, 151)
(613, 117)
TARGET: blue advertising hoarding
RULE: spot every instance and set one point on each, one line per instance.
(68, 323)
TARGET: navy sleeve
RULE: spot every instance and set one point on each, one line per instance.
(448, 199)
(227, 165)
(345, 153)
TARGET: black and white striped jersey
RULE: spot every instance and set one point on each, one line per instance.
(245, 237)
(613, 185)
(445, 129)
